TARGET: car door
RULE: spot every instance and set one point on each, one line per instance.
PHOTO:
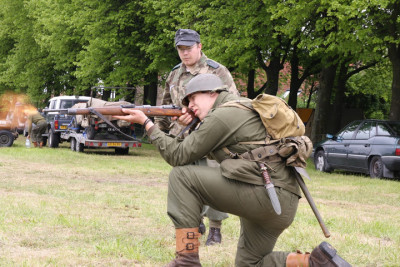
(337, 150)
(359, 148)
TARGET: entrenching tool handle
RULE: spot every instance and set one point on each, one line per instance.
(312, 204)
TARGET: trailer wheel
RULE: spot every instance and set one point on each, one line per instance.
(90, 132)
(73, 144)
(54, 139)
(122, 151)
(6, 138)
(78, 146)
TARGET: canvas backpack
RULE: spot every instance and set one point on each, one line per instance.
(284, 127)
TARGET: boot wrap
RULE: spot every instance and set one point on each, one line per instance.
(298, 259)
(187, 248)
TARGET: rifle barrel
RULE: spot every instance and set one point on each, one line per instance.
(167, 110)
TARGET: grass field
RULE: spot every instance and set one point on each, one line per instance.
(63, 208)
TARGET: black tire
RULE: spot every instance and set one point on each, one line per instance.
(6, 138)
(73, 144)
(54, 139)
(122, 151)
(78, 146)
(376, 167)
(90, 132)
(320, 162)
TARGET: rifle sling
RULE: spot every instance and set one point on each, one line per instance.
(92, 110)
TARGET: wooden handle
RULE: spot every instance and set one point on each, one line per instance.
(312, 205)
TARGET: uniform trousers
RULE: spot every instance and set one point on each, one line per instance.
(213, 215)
(37, 131)
(190, 187)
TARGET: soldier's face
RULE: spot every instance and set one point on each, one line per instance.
(201, 103)
(189, 54)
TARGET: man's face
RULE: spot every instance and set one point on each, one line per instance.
(201, 103)
(189, 55)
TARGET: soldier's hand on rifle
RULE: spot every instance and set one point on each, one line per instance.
(186, 118)
(135, 116)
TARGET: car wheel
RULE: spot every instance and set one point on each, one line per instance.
(376, 167)
(6, 138)
(54, 139)
(73, 144)
(320, 162)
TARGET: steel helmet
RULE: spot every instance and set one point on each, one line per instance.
(203, 83)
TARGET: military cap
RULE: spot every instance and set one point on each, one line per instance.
(202, 83)
(186, 37)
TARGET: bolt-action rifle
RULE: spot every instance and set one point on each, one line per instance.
(164, 110)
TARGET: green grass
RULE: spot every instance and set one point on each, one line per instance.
(63, 208)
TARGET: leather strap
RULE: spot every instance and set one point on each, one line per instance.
(187, 240)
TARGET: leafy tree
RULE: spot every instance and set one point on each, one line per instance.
(24, 66)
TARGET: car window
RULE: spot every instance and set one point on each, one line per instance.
(52, 104)
(364, 130)
(348, 132)
(395, 125)
(383, 129)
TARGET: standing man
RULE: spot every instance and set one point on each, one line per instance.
(36, 126)
(194, 62)
(236, 186)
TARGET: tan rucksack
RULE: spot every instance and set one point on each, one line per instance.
(278, 117)
(284, 127)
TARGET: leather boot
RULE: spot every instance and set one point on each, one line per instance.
(214, 236)
(34, 144)
(41, 144)
(325, 255)
(187, 248)
(202, 227)
(322, 256)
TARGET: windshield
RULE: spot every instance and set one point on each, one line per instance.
(395, 125)
(69, 103)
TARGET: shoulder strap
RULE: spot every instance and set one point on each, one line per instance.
(212, 64)
(246, 105)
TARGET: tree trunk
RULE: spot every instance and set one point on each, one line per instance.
(273, 70)
(250, 84)
(150, 89)
(320, 122)
(394, 56)
(338, 103)
(294, 81)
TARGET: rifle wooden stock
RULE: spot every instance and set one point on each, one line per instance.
(165, 110)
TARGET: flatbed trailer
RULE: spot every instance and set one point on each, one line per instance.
(79, 141)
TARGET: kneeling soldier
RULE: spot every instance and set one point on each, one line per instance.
(235, 187)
